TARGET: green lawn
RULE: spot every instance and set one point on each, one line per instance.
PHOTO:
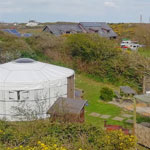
(92, 93)
(144, 52)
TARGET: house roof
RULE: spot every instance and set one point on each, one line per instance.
(103, 28)
(95, 24)
(67, 106)
(58, 29)
(127, 90)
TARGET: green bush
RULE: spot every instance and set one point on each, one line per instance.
(101, 57)
(91, 47)
(106, 94)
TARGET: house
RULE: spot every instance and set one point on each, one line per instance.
(32, 23)
(68, 110)
(59, 29)
(100, 28)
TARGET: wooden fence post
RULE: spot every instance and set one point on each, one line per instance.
(134, 116)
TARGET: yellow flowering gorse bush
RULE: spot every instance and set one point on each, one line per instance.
(40, 146)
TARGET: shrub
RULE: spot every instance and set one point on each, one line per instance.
(91, 47)
(117, 140)
(58, 136)
(106, 94)
(101, 57)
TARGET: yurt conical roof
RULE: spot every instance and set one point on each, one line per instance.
(28, 74)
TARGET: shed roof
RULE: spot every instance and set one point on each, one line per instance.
(143, 98)
(67, 106)
(127, 90)
(101, 27)
(58, 29)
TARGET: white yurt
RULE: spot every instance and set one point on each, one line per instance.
(28, 88)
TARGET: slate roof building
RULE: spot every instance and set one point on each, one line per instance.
(102, 28)
(67, 109)
(59, 29)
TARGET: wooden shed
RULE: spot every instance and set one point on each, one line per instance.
(68, 110)
(127, 91)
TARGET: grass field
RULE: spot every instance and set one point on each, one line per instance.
(145, 52)
(92, 93)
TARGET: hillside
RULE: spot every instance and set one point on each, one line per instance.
(86, 53)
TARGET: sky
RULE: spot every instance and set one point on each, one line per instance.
(112, 11)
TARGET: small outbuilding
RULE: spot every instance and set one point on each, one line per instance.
(127, 91)
(67, 110)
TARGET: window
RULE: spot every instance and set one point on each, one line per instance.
(68, 32)
(12, 95)
(23, 95)
(18, 95)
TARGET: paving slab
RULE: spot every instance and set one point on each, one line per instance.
(94, 114)
(129, 121)
(105, 116)
(127, 115)
(118, 118)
